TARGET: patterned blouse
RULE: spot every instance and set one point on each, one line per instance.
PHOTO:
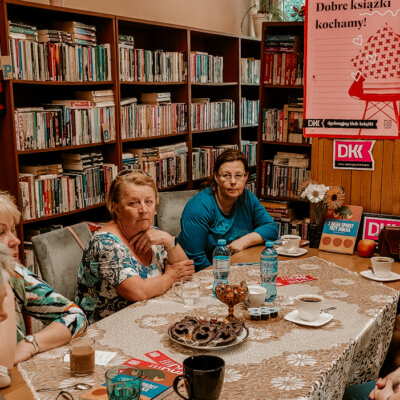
(36, 298)
(106, 263)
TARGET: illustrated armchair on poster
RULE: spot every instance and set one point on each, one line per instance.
(376, 103)
(376, 79)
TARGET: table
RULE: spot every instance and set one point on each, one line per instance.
(279, 359)
(19, 389)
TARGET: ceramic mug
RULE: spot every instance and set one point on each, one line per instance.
(256, 296)
(203, 376)
(309, 306)
(290, 243)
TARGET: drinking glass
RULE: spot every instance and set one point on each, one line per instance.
(188, 291)
(124, 383)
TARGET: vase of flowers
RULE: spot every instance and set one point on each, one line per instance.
(325, 201)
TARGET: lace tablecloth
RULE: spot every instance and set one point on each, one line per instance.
(279, 359)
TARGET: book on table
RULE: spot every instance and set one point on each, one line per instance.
(340, 230)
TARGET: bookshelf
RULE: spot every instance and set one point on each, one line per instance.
(183, 146)
(280, 118)
(36, 132)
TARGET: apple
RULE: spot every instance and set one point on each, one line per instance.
(366, 247)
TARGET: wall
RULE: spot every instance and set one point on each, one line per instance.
(377, 191)
(216, 15)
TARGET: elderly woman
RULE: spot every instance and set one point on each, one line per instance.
(8, 327)
(34, 297)
(226, 211)
(128, 260)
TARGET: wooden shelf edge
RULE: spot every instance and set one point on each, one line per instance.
(54, 216)
(276, 143)
(65, 148)
(139, 139)
(215, 130)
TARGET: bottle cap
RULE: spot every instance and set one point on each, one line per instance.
(222, 242)
(268, 243)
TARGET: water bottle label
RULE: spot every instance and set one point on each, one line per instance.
(221, 265)
(267, 266)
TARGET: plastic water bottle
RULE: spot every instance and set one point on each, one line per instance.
(269, 270)
(221, 263)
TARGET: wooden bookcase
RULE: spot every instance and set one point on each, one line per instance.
(148, 35)
(31, 93)
(276, 96)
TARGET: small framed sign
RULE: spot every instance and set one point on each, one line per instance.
(371, 224)
(353, 154)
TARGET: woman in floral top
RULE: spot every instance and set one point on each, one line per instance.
(128, 260)
(62, 318)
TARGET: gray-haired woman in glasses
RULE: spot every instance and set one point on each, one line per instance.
(128, 260)
(225, 211)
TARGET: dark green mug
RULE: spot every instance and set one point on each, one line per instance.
(203, 377)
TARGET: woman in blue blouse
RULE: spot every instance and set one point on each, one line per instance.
(225, 211)
(128, 260)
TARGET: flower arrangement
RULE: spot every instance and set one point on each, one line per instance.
(324, 198)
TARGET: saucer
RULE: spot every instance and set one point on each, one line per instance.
(370, 275)
(299, 252)
(323, 319)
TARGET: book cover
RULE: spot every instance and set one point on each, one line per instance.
(340, 231)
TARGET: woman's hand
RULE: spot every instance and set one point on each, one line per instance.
(385, 388)
(237, 245)
(23, 352)
(180, 270)
(143, 241)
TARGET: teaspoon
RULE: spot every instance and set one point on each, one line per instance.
(77, 386)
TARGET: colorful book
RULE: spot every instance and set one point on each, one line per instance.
(340, 230)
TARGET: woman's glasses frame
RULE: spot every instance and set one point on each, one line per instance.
(125, 172)
(229, 177)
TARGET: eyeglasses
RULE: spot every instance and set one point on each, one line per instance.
(130, 171)
(229, 177)
(64, 395)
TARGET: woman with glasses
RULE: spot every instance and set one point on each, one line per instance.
(128, 259)
(225, 211)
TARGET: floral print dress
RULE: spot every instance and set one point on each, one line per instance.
(106, 263)
(36, 298)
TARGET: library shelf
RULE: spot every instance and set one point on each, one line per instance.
(172, 187)
(277, 143)
(67, 148)
(228, 128)
(280, 114)
(214, 84)
(153, 83)
(141, 139)
(54, 216)
(249, 126)
(60, 83)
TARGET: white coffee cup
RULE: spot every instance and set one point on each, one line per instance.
(309, 306)
(290, 243)
(256, 296)
(188, 291)
(382, 266)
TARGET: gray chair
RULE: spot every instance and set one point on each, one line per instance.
(170, 209)
(59, 255)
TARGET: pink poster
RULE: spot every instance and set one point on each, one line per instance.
(352, 69)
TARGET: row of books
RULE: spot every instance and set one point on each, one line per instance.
(283, 125)
(206, 68)
(138, 65)
(251, 183)
(249, 111)
(60, 61)
(81, 180)
(206, 114)
(203, 158)
(64, 32)
(282, 175)
(167, 165)
(283, 69)
(249, 149)
(284, 215)
(63, 123)
(249, 71)
(145, 120)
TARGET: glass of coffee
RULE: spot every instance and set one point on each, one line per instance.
(81, 356)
